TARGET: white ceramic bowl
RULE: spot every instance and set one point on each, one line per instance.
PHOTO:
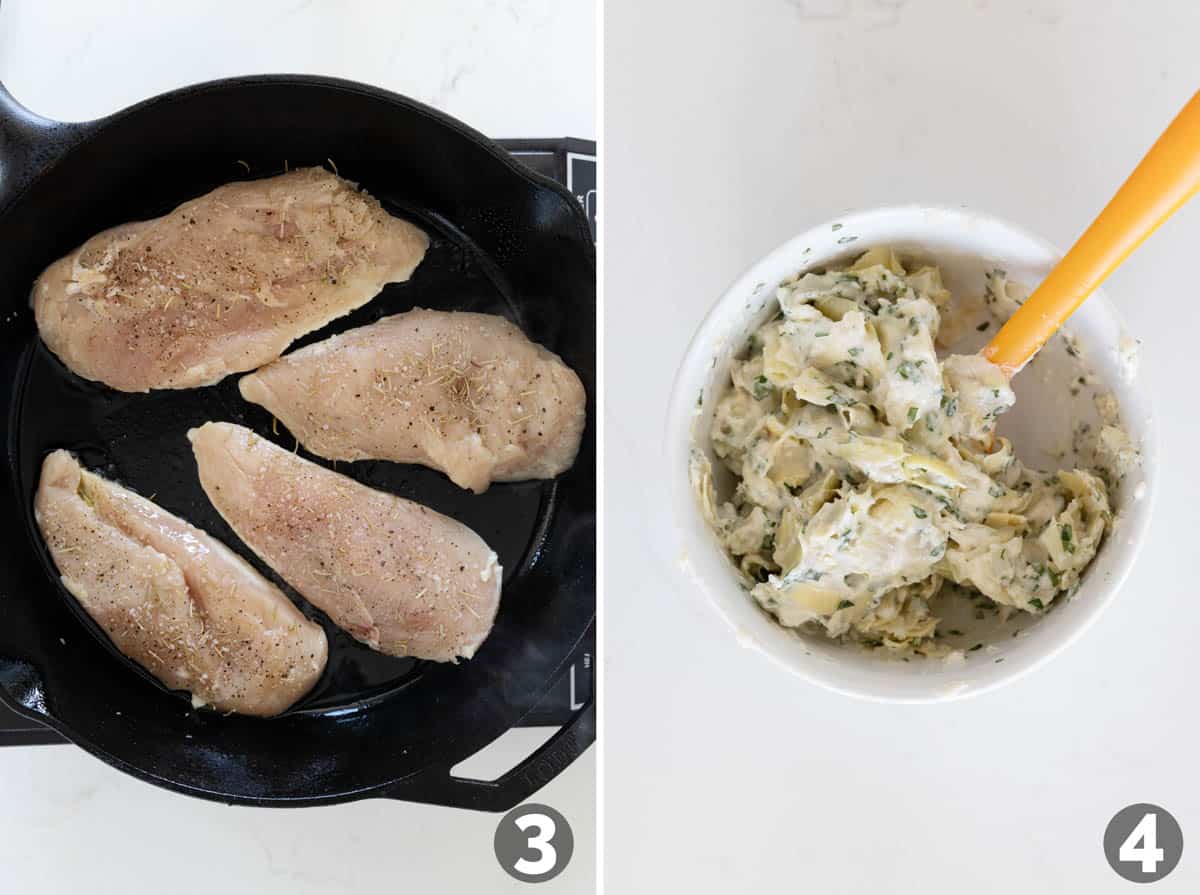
(965, 246)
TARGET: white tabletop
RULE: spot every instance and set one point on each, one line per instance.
(728, 128)
(523, 68)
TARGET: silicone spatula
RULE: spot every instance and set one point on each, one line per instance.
(1167, 177)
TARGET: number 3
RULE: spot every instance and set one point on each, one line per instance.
(1141, 845)
(547, 856)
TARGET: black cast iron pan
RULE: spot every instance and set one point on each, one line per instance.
(505, 241)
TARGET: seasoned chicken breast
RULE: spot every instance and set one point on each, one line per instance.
(398, 576)
(223, 283)
(172, 598)
(468, 394)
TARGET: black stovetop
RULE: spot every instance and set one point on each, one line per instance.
(572, 163)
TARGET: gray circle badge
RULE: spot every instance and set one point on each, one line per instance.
(534, 843)
(1143, 843)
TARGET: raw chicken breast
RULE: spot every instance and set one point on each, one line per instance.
(398, 576)
(223, 283)
(464, 393)
(172, 598)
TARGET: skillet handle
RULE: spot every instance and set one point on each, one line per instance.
(437, 786)
(29, 144)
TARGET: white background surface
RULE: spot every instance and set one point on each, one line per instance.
(728, 128)
(522, 68)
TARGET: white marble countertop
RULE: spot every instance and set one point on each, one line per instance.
(520, 68)
(728, 130)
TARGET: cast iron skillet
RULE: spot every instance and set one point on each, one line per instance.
(505, 241)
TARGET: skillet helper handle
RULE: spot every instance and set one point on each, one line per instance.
(437, 786)
(1167, 177)
(29, 144)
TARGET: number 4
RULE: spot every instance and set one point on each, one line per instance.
(1141, 845)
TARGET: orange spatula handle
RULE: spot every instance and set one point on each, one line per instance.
(1167, 177)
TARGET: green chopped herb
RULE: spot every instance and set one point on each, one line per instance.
(1067, 535)
(700, 398)
(855, 352)
(762, 387)
(826, 431)
(1037, 604)
(845, 604)
(843, 240)
(811, 575)
(890, 355)
(837, 227)
(821, 334)
(950, 406)
(908, 370)
(919, 513)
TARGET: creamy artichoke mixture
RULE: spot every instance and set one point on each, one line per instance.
(868, 473)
